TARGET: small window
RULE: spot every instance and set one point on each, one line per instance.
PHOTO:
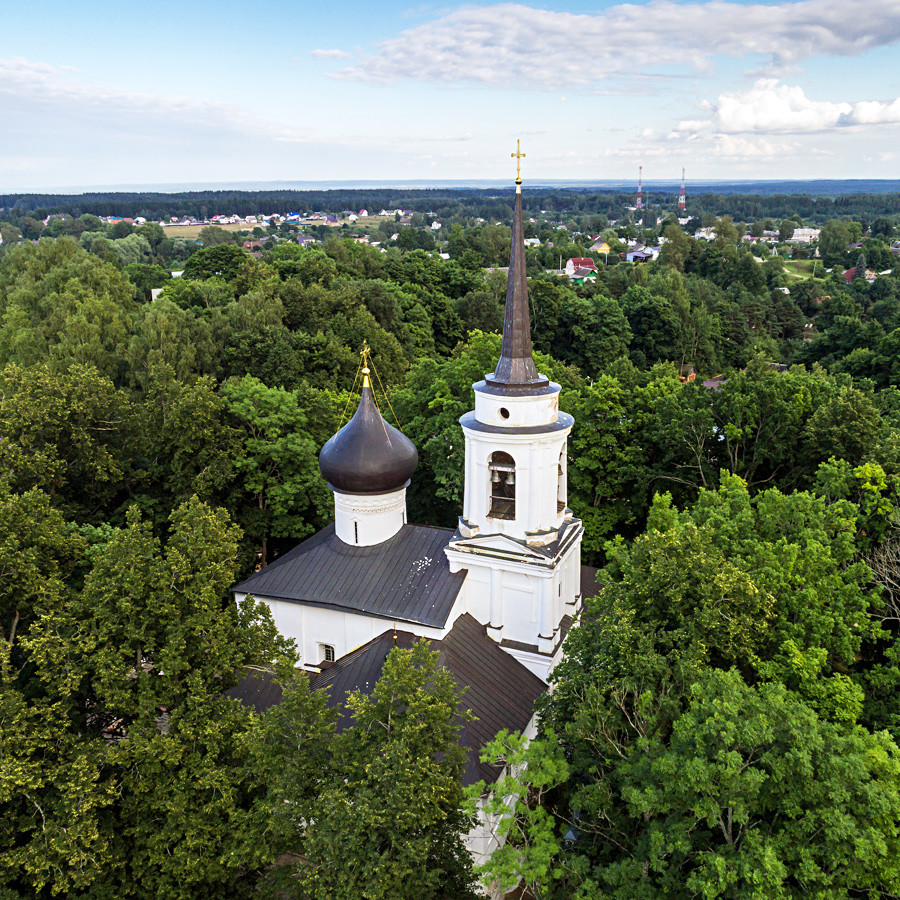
(502, 468)
(326, 651)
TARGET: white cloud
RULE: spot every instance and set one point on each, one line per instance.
(330, 54)
(514, 45)
(36, 93)
(769, 107)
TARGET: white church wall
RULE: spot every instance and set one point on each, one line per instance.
(476, 595)
(313, 627)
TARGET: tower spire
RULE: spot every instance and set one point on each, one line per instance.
(516, 368)
(681, 203)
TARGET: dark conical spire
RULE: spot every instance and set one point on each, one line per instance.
(516, 368)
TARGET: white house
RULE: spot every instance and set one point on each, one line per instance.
(804, 236)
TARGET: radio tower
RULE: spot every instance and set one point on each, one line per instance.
(681, 206)
(639, 204)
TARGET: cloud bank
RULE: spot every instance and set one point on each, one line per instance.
(512, 45)
(769, 107)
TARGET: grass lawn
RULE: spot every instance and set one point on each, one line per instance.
(803, 268)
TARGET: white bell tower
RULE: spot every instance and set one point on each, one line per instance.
(517, 539)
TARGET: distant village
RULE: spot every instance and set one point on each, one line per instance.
(579, 270)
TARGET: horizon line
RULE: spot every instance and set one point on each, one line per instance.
(336, 184)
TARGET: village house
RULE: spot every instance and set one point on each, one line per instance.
(580, 262)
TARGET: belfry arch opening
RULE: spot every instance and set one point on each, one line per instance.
(502, 485)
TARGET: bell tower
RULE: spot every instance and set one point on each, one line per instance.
(517, 538)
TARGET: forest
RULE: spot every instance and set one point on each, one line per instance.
(726, 721)
(814, 201)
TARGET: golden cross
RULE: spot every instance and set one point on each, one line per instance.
(364, 358)
(519, 155)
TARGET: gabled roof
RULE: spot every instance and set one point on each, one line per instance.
(583, 262)
(498, 689)
(405, 579)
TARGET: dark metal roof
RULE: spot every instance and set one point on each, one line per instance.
(516, 368)
(498, 689)
(406, 578)
(590, 586)
(368, 456)
(257, 689)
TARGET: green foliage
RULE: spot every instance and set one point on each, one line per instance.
(146, 277)
(214, 235)
(62, 305)
(529, 837)
(123, 768)
(707, 709)
(63, 432)
(374, 812)
(278, 465)
(225, 260)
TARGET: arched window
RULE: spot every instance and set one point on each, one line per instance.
(503, 485)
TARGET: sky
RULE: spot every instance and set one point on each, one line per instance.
(97, 94)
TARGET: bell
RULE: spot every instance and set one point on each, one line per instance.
(495, 476)
(511, 478)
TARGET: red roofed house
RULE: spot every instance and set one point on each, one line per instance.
(580, 262)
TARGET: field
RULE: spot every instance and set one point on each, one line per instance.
(192, 232)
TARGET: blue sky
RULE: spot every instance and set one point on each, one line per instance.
(96, 93)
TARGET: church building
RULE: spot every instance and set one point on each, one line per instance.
(495, 595)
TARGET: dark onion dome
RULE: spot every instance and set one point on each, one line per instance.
(368, 456)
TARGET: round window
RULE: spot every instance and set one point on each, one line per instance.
(504, 412)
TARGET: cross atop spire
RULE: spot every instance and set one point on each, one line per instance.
(364, 355)
(519, 155)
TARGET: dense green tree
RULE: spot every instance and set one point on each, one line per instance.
(66, 433)
(707, 720)
(834, 239)
(214, 235)
(654, 324)
(60, 303)
(386, 820)
(225, 260)
(595, 332)
(132, 779)
(187, 446)
(145, 277)
(278, 466)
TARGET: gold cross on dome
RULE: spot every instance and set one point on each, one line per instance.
(519, 155)
(365, 353)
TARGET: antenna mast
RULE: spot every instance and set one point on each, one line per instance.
(639, 204)
(681, 206)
